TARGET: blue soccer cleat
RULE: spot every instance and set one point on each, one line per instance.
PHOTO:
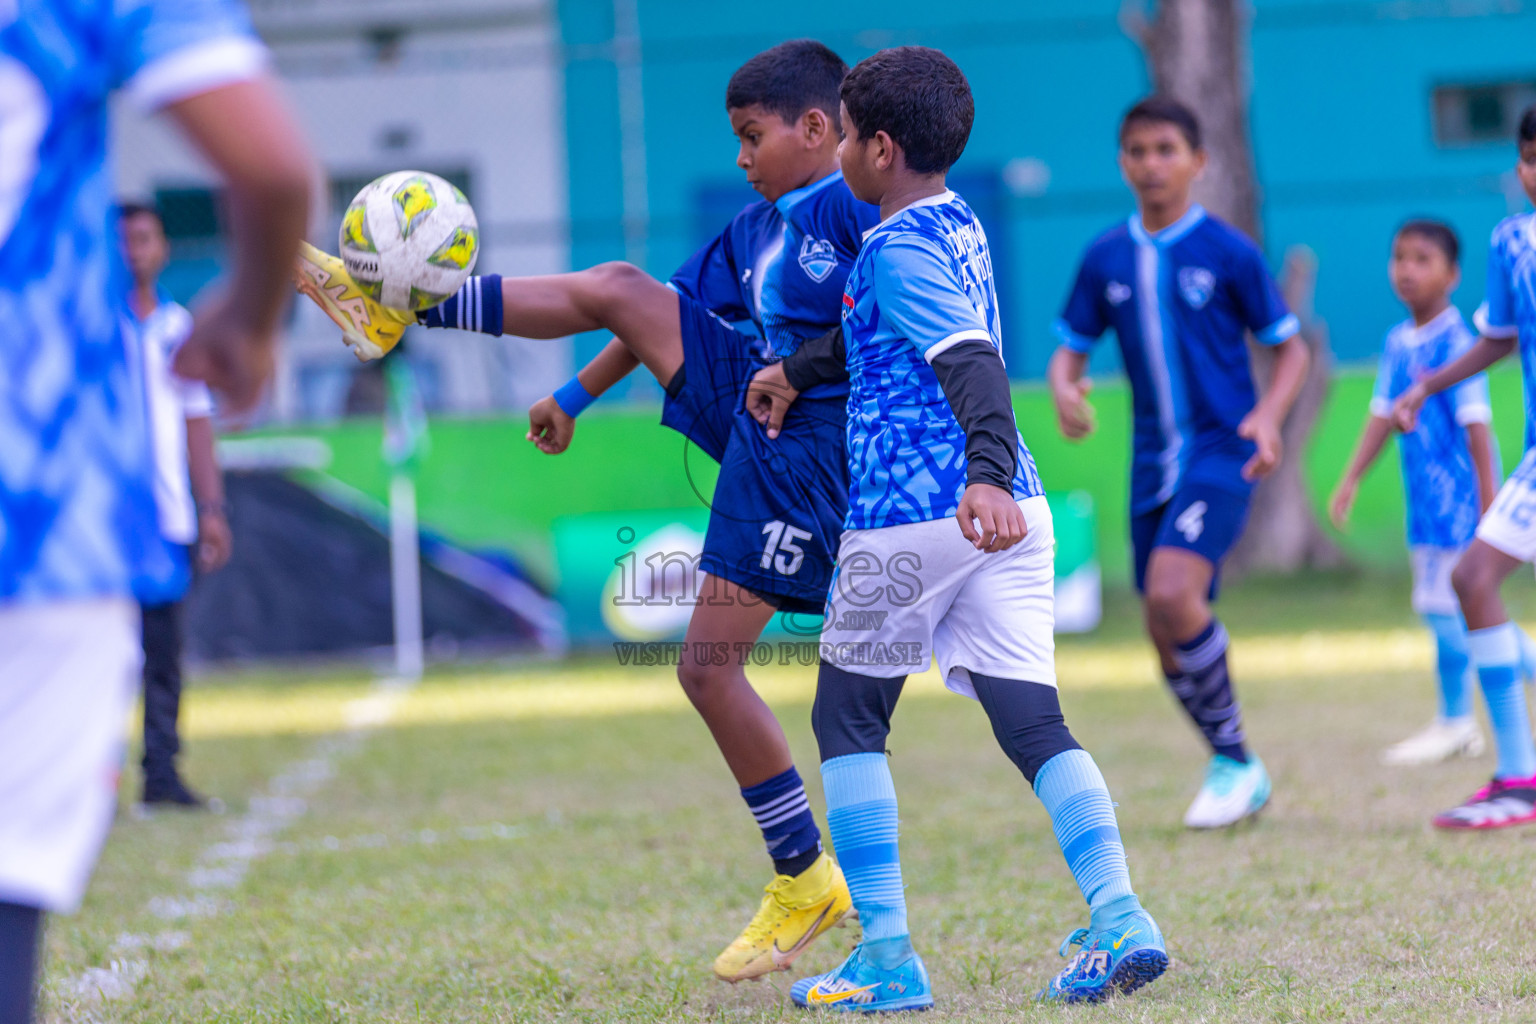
(858, 986)
(1119, 960)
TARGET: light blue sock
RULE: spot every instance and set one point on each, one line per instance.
(1451, 661)
(861, 815)
(1083, 816)
(1496, 653)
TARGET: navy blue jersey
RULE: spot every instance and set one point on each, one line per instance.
(77, 515)
(1181, 302)
(922, 285)
(1510, 309)
(782, 266)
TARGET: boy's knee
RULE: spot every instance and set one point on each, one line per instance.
(611, 285)
(1469, 578)
(699, 679)
(852, 713)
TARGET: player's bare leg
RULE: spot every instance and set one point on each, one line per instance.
(796, 908)
(1478, 580)
(1192, 646)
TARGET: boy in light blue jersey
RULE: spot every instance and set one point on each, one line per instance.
(1182, 290)
(931, 436)
(1449, 476)
(1506, 536)
(78, 530)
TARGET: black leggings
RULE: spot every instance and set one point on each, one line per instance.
(20, 929)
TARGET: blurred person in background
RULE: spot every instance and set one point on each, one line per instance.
(78, 532)
(189, 496)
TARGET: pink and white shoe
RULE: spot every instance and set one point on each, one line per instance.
(1503, 803)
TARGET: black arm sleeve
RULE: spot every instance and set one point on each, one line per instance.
(821, 360)
(974, 381)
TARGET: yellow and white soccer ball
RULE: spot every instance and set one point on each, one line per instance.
(409, 240)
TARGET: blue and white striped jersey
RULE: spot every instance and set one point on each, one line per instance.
(1510, 308)
(922, 284)
(1181, 302)
(782, 266)
(1439, 480)
(77, 514)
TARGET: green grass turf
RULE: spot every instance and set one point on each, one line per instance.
(626, 859)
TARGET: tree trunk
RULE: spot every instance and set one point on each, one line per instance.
(1197, 53)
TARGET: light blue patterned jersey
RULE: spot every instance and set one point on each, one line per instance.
(1439, 481)
(77, 516)
(1510, 309)
(922, 284)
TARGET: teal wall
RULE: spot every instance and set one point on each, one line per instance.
(1341, 118)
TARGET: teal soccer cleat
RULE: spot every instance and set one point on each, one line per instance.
(861, 987)
(1119, 960)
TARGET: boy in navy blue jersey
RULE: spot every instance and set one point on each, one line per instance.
(931, 436)
(1181, 290)
(775, 517)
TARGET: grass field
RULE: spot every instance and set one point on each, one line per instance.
(562, 842)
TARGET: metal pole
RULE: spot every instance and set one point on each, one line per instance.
(405, 576)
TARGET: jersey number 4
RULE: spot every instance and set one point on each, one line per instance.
(782, 553)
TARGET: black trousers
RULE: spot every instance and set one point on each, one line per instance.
(162, 689)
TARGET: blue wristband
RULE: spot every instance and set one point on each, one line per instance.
(573, 398)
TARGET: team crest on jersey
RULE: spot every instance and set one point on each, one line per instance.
(817, 258)
(1197, 285)
(1116, 293)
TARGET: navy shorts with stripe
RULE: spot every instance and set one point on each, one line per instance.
(777, 511)
(1201, 518)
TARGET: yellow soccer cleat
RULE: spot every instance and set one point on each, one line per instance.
(793, 912)
(367, 327)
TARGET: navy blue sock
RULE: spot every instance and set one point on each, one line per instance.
(1205, 690)
(784, 814)
(20, 929)
(476, 306)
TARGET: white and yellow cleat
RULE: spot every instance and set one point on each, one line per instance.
(367, 327)
(793, 912)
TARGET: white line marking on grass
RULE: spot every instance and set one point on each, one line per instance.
(223, 865)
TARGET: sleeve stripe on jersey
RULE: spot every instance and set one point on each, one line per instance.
(196, 68)
(1498, 332)
(938, 348)
(1079, 343)
(1280, 330)
(1477, 412)
(1380, 407)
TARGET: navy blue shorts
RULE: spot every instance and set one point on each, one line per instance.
(777, 511)
(1200, 518)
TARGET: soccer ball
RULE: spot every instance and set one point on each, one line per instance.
(409, 240)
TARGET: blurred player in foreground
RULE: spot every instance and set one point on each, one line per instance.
(1448, 465)
(1181, 290)
(947, 550)
(76, 501)
(778, 268)
(189, 496)
(1506, 536)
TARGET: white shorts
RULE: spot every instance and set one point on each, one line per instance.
(68, 676)
(1432, 590)
(904, 595)
(1510, 522)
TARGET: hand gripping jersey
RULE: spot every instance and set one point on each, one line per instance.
(1181, 302)
(1510, 309)
(77, 515)
(922, 284)
(1439, 480)
(782, 266)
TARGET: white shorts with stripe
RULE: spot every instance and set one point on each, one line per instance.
(1432, 590)
(69, 672)
(905, 595)
(1510, 522)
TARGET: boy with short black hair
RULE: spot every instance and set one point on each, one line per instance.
(1447, 465)
(1181, 290)
(774, 519)
(1506, 536)
(931, 435)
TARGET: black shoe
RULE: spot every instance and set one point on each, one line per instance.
(172, 792)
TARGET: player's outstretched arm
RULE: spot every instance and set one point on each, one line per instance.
(1484, 353)
(247, 133)
(1069, 393)
(552, 419)
(976, 385)
(1372, 439)
(1262, 424)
